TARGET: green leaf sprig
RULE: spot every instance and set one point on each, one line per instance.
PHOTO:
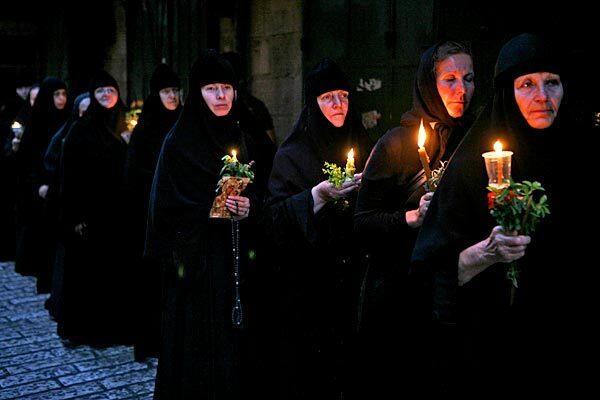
(232, 167)
(518, 207)
(335, 175)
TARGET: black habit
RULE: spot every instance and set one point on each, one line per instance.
(313, 253)
(394, 306)
(202, 352)
(147, 138)
(503, 349)
(96, 267)
(34, 253)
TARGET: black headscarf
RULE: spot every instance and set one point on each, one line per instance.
(428, 106)
(458, 216)
(314, 140)
(111, 120)
(45, 120)
(52, 156)
(155, 120)
(190, 161)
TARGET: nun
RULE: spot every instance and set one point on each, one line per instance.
(160, 112)
(96, 299)
(310, 222)
(202, 353)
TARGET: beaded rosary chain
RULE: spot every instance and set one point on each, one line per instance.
(236, 312)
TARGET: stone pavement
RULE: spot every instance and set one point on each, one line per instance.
(36, 365)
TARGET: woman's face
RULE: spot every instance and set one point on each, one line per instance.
(538, 96)
(455, 83)
(83, 105)
(33, 95)
(334, 106)
(218, 97)
(60, 98)
(169, 97)
(107, 96)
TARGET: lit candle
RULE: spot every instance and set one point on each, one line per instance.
(498, 166)
(423, 153)
(234, 156)
(498, 150)
(16, 125)
(350, 169)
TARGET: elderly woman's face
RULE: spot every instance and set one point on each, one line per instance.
(107, 96)
(538, 96)
(334, 106)
(60, 98)
(454, 77)
(169, 97)
(218, 97)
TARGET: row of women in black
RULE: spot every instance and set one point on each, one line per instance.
(316, 323)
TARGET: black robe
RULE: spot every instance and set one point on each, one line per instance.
(202, 352)
(313, 257)
(54, 169)
(34, 249)
(395, 307)
(499, 348)
(147, 138)
(8, 114)
(96, 267)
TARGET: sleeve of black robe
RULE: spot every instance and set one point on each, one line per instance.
(376, 211)
(289, 217)
(75, 183)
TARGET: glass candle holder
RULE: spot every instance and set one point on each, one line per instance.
(497, 165)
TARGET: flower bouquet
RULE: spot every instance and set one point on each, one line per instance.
(518, 207)
(235, 176)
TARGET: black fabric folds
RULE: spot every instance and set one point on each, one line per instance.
(202, 353)
(494, 338)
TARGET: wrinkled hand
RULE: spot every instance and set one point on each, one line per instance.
(414, 218)
(43, 191)
(506, 247)
(239, 206)
(15, 144)
(328, 192)
(80, 228)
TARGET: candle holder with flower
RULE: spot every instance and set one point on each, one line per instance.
(337, 177)
(235, 177)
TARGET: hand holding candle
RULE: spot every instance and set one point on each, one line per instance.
(423, 153)
(17, 129)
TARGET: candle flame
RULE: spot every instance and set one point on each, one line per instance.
(422, 135)
(351, 154)
(15, 125)
(498, 146)
(233, 153)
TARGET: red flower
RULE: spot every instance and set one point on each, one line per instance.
(491, 198)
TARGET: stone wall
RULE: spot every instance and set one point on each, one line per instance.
(276, 60)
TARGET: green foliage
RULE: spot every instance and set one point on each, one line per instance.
(335, 175)
(519, 207)
(235, 168)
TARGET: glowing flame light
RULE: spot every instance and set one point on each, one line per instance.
(351, 154)
(16, 125)
(422, 135)
(498, 147)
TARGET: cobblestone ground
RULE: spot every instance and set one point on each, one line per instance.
(36, 365)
